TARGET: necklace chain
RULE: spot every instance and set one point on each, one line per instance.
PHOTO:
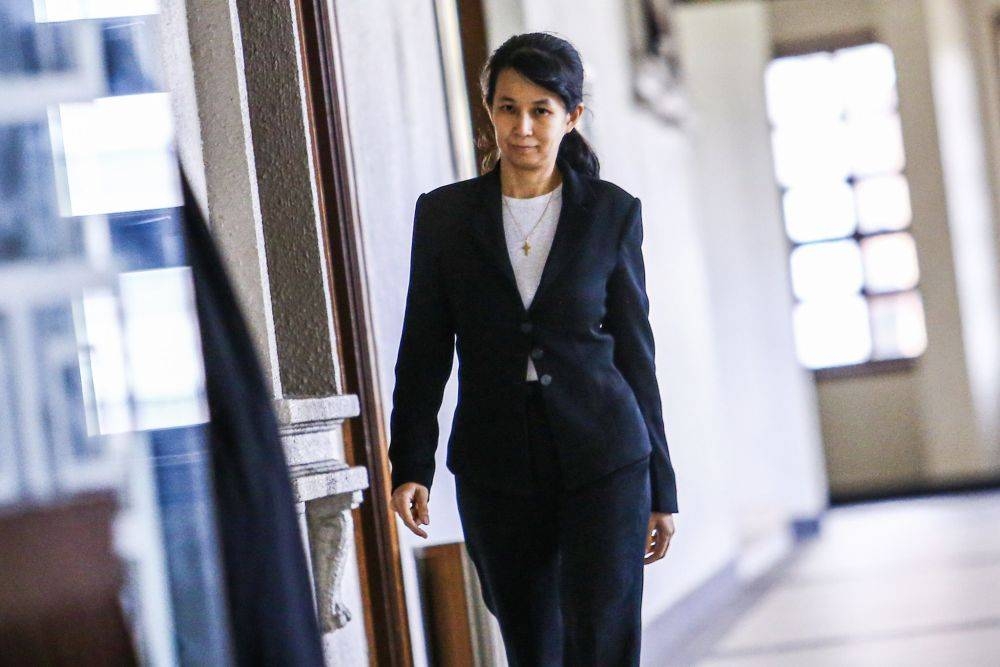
(526, 247)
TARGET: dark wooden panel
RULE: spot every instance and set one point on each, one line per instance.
(446, 605)
(59, 586)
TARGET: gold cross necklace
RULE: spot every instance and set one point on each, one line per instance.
(526, 247)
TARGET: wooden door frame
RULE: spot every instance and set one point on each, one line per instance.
(378, 555)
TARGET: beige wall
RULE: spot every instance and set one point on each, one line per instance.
(871, 427)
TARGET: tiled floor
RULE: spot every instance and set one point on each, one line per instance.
(912, 583)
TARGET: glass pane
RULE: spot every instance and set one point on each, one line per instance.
(832, 332)
(161, 337)
(101, 383)
(890, 262)
(70, 10)
(898, 325)
(876, 145)
(818, 211)
(9, 482)
(105, 366)
(867, 78)
(803, 87)
(116, 154)
(811, 152)
(826, 269)
(883, 203)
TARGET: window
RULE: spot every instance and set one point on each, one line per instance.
(839, 162)
(101, 377)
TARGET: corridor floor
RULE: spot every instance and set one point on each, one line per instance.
(912, 582)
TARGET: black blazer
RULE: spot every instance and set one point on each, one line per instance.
(587, 331)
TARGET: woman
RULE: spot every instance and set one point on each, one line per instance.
(534, 270)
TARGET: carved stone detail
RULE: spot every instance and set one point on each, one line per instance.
(331, 528)
(328, 488)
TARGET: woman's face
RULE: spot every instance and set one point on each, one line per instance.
(529, 121)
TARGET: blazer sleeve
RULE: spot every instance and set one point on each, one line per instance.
(627, 319)
(423, 363)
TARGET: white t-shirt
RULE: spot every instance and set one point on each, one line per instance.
(528, 267)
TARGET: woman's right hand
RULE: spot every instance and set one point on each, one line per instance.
(409, 500)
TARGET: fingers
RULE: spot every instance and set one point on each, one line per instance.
(660, 531)
(422, 511)
(652, 541)
(410, 503)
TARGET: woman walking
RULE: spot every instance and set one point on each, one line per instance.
(534, 270)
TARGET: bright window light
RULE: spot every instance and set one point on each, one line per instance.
(837, 146)
(866, 76)
(71, 10)
(810, 153)
(832, 332)
(898, 325)
(819, 211)
(890, 262)
(164, 348)
(115, 154)
(803, 87)
(876, 145)
(101, 352)
(883, 203)
(826, 269)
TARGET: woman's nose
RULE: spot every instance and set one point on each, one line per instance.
(524, 124)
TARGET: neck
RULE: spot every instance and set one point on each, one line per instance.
(523, 184)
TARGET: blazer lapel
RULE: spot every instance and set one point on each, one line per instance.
(571, 227)
(488, 225)
(571, 230)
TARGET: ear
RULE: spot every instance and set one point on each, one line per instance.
(574, 117)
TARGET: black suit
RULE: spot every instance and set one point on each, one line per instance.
(586, 330)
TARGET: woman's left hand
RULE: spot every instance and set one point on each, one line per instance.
(658, 534)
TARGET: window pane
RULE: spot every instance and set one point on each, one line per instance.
(883, 203)
(803, 87)
(898, 325)
(71, 10)
(117, 154)
(79, 341)
(161, 334)
(890, 262)
(811, 152)
(876, 145)
(819, 211)
(866, 77)
(826, 269)
(832, 332)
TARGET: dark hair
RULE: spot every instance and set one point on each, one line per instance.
(554, 64)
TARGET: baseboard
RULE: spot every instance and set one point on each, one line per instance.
(915, 490)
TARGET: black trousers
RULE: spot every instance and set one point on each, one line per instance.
(562, 571)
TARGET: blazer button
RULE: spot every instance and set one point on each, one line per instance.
(526, 327)
(546, 380)
(537, 353)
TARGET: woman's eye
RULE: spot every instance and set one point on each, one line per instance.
(543, 111)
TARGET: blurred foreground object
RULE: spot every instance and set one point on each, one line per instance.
(271, 606)
(59, 598)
